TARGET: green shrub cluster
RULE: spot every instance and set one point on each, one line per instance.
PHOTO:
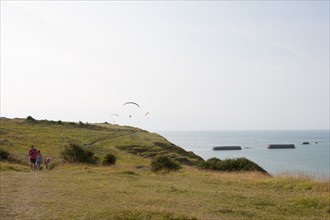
(76, 154)
(4, 155)
(211, 164)
(109, 159)
(237, 164)
(48, 122)
(29, 118)
(164, 163)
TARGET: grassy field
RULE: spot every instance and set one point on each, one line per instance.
(127, 192)
(130, 190)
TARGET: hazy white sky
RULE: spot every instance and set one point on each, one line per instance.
(192, 65)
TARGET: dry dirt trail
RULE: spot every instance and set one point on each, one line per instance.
(24, 194)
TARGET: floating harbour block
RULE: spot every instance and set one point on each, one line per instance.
(280, 146)
(227, 148)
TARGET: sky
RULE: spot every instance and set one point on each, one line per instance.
(191, 65)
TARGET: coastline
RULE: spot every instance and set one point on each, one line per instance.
(308, 160)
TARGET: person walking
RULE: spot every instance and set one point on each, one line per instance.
(38, 160)
(47, 161)
(33, 156)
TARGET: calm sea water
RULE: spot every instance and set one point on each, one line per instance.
(312, 160)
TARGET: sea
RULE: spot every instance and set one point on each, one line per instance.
(309, 160)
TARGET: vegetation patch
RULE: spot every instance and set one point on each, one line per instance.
(30, 119)
(164, 163)
(10, 166)
(151, 152)
(109, 159)
(4, 155)
(134, 149)
(80, 124)
(237, 164)
(4, 142)
(130, 214)
(173, 148)
(76, 154)
(129, 172)
(2, 130)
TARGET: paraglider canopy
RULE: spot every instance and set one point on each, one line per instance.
(132, 103)
(112, 115)
(146, 115)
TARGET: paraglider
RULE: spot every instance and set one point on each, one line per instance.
(131, 103)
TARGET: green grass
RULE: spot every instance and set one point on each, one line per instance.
(17, 135)
(130, 189)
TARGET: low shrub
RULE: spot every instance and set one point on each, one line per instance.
(237, 164)
(210, 164)
(4, 155)
(109, 159)
(164, 163)
(29, 118)
(76, 154)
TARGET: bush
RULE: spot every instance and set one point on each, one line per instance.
(109, 159)
(29, 118)
(237, 164)
(210, 164)
(4, 155)
(164, 163)
(76, 154)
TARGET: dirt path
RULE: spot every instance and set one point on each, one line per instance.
(22, 194)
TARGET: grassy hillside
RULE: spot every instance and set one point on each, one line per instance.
(130, 190)
(130, 145)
